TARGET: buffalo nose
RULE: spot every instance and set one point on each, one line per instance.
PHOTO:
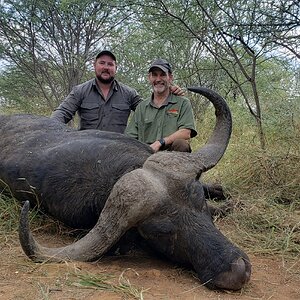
(237, 277)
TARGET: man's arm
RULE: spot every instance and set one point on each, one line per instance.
(135, 99)
(179, 134)
(186, 125)
(132, 126)
(67, 109)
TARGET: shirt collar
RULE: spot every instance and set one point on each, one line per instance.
(171, 99)
(114, 84)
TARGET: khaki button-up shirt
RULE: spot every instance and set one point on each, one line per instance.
(150, 123)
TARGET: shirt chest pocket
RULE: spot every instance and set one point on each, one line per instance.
(171, 119)
(172, 113)
(120, 107)
(89, 111)
(120, 113)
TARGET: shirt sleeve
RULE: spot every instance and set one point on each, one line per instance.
(132, 126)
(135, 99)
(67, 109)
(186, 118)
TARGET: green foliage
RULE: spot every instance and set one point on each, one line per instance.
(9, 214)
(251, 169)
(21, 95)
(52, 42)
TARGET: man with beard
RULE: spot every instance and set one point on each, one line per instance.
(165, 121)
(103, 102)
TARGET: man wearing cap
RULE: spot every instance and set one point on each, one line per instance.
(103, 102)
(164, 121)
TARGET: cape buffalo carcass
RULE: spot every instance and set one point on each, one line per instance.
(114, 183)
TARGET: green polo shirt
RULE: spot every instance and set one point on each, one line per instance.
(150, 123)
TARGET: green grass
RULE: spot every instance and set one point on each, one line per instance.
(106, 282)
(9, 214)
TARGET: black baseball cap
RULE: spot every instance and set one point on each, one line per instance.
(106, 52)
(161, 64)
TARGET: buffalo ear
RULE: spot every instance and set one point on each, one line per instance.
(195, 194)
(160, 231)
(157, 227)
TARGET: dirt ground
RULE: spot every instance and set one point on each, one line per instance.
(272, 277)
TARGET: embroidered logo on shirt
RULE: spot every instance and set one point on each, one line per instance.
(173, 111)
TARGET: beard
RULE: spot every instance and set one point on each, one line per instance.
(105, 81)
(160, 89)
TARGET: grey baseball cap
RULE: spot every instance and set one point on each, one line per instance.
(106, 52)
(162, 64)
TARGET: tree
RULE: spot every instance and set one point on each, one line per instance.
(224, 45)
(53, 41)
(18, 95)
(224, 32)
(278, 25)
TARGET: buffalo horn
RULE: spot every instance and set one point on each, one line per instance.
(134, 197)
(190, 165)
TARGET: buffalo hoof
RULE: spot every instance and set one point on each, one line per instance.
(222, 210)
(215, 191)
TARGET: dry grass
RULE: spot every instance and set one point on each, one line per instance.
(107, 282)
(265, 189)
(9, 218)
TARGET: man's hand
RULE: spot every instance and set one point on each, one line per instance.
(176, 90)
(156, 146)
